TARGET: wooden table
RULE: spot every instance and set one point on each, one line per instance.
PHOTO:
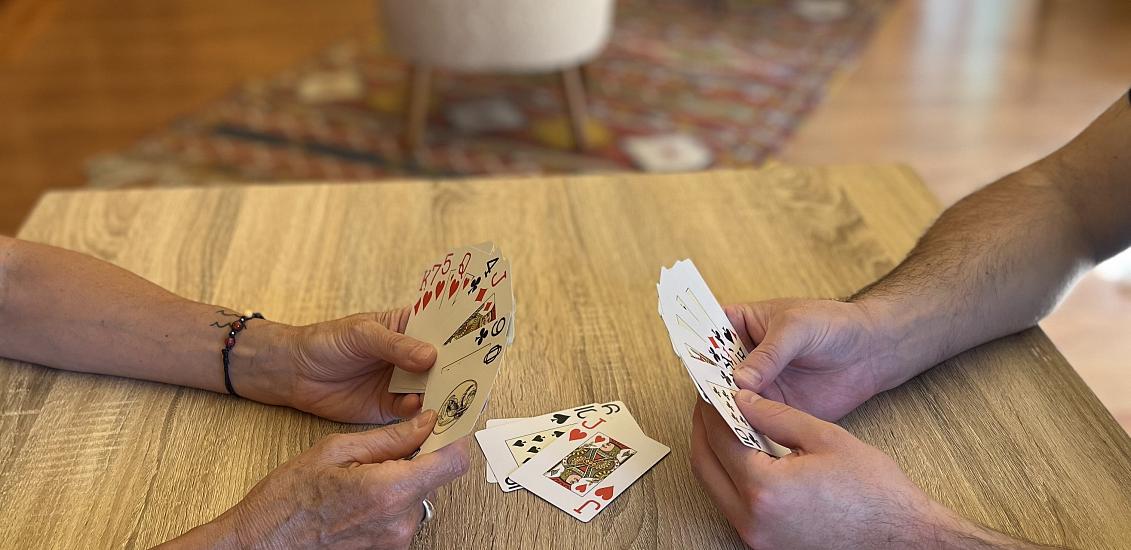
(1007, 434)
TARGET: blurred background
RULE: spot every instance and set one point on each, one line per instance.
(127, 93)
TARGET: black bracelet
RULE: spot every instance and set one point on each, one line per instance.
(234, 328)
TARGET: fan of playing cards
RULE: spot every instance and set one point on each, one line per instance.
(708, 346)
(465, 309)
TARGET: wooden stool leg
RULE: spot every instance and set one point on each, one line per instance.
(575, 102)
(587, 77)
(416, 106)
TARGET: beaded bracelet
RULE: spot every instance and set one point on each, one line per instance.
(234, 328)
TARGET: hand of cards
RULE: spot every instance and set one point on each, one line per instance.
(466, 310)
(707, 344)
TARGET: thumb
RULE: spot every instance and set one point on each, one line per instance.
(388, 443)
(783, 341)
(787, 425)
(367, 339)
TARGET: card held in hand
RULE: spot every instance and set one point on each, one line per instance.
(708, 346)
(466, 310)
(447, 289)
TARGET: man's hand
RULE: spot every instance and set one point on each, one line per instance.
(833, 491)
(338, 370)
(822, 356)
(347, 491)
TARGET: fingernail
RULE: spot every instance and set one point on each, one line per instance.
(747, 396)
(422, 353)
(425, 418)
(747, 377)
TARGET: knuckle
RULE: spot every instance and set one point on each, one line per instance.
(364, 328)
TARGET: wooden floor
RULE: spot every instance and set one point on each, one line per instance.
(962, 90)
(81, 77)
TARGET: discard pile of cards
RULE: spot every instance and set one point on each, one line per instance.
(465, 308)
(577, 459)
(708, 346)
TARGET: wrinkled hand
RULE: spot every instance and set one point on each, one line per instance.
(342, 368)
(338, 369)
(347, 491)
(821, 356)
(833, 491)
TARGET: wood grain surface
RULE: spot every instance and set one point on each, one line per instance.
(1006, 434)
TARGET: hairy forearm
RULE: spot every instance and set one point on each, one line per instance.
(948, 531)
(999, 260)
(992, 265)
(70, 311)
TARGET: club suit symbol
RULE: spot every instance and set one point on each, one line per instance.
(455, 405)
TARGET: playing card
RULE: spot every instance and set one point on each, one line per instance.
(509, 446)
(590, 465)
(494, 423)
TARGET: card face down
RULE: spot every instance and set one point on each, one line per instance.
(590, 465)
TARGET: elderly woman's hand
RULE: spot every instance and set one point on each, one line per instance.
(338, 369)
(347, 491)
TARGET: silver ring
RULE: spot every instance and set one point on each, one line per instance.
(429, 512)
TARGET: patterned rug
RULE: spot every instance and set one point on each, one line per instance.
(682, 85)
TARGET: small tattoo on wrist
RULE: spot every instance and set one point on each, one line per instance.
(225, 313)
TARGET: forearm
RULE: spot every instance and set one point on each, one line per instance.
(1000, 259)
(948, 531)
(988, 267)
(70, 311)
